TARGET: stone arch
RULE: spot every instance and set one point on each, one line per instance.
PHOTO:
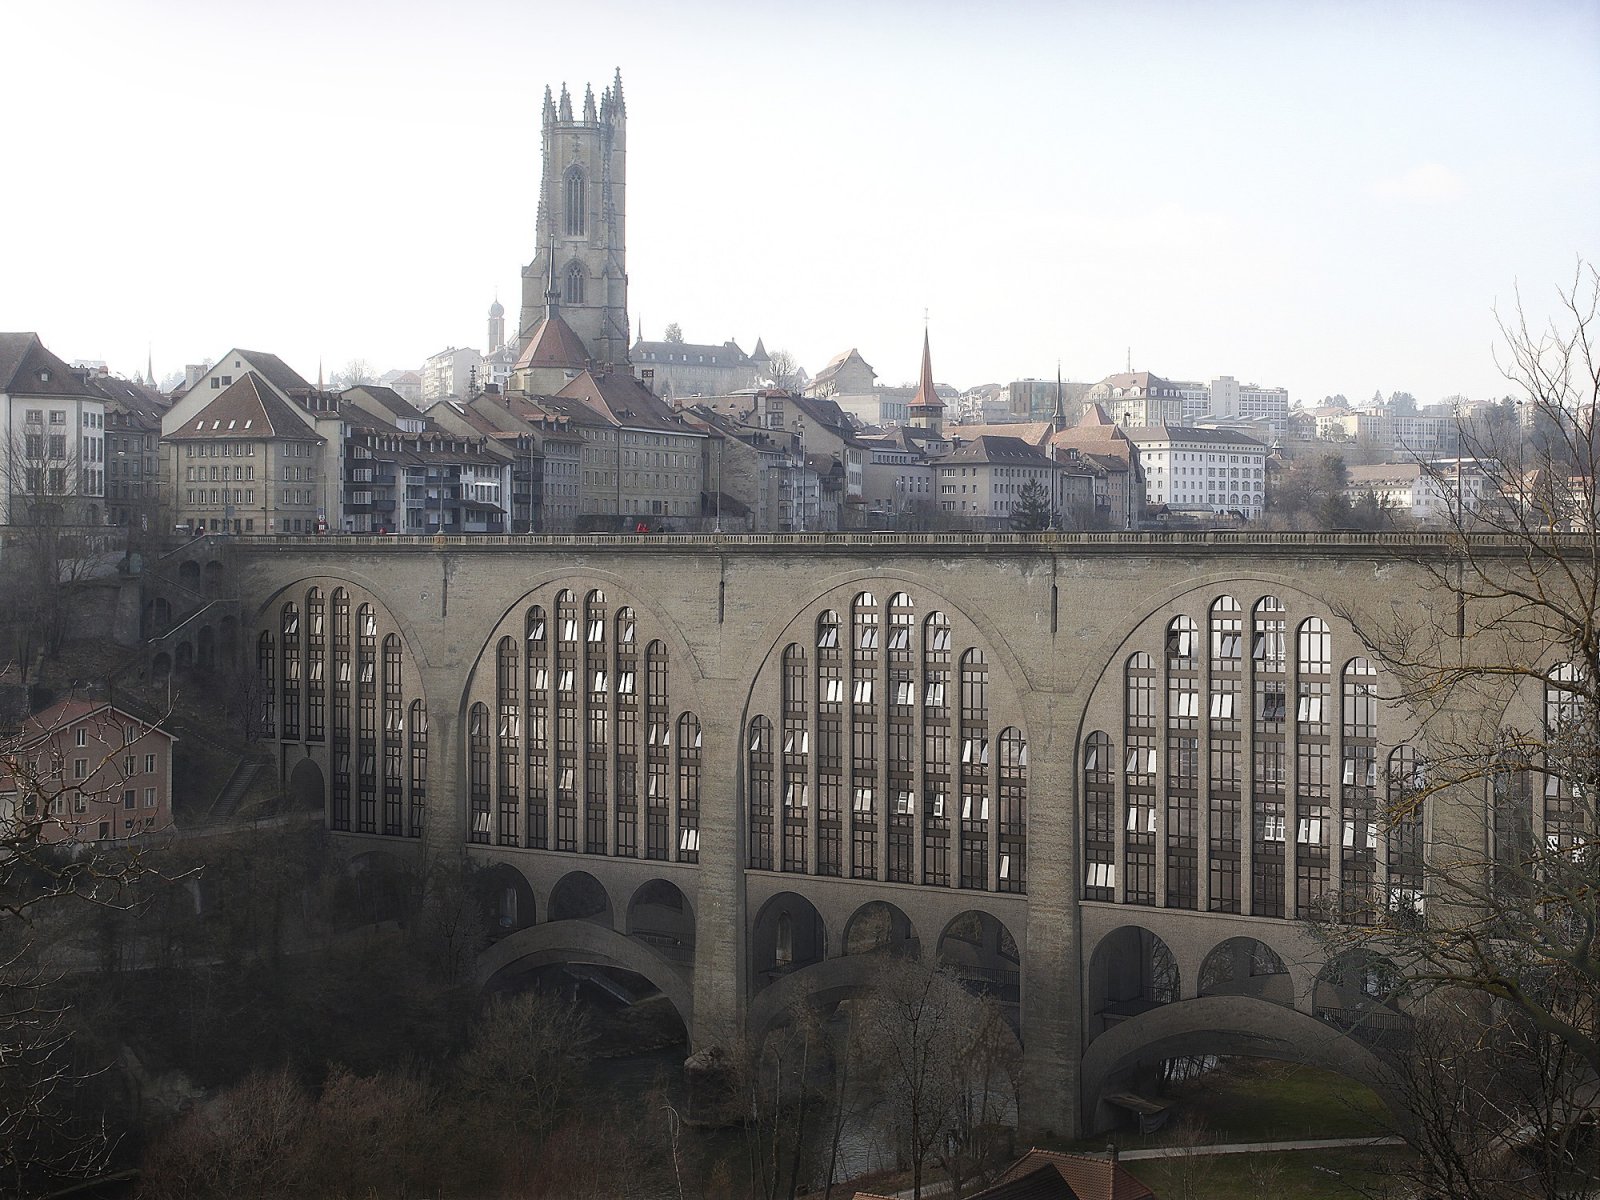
(189, 573)
(660, 916)
(160, 611)
(1131, 971)
(307, 787)
(879, 927)
(587, 942)
(213, 573)
(1358, 993)
(1232, 1025)
(183, 657)
(376, 885)
(579, 896)
(507, 899)
(206, 648)
(787, 935)
(979, 948)
(1245, 966)
(161, 666)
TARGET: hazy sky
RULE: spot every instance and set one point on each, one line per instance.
(1331, 197)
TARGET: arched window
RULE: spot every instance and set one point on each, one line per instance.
(1358, 782)
(937, 732)
(316, 665)
(393, 737)
(1225, 712)
(688, 788)
(564, 760)
(1183, 763)
(900, 801)
(478, 773)
(508, 742)
(1270, 773)
(796, 759)
(1011, 875)
(758, 777)
(596, 732)
(291, 672)
(1568, 742)
(1404, 829)
(266, 655)
(1313, 763)
(864, 639)
(627, 734)
(830, 749)
(1139, 779)
(575, 277)
(573, 203)
(974, 771)
(418, 729)
(1100, 817)
(366, 773)
(537, 639)
(658, 741)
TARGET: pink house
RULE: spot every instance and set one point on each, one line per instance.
(88, 772)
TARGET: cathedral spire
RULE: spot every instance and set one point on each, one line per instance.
(1059, 417)
(588, 104)
(616, 94)
(565, 111)
(549, 105)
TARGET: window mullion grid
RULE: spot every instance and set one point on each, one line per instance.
(1202, 782)
(1248, 814)
(1291, 772)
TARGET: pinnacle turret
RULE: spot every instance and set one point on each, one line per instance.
(549, 105)
(616, 94)
(565, 111)
(588, 104)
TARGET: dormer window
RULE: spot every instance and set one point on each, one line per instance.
(44, 376)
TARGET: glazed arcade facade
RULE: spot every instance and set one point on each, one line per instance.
(1103, 777)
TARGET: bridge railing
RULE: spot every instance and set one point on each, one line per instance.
(1245, 540)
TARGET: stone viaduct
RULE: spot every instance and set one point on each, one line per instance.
(1100, 776)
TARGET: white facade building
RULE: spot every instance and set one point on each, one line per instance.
(1202, 469)
(450, 373)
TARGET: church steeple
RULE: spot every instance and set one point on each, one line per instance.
(580, 239)
(926, 409)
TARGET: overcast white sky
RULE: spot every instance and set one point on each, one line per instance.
(1331, 197)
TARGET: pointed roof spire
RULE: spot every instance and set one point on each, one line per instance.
(1059, 417)
(319, 372)
(926, 396)
(549, 105)
(565, 110)
(149, 365)
(551, 296)
(616, 92)
(588, 104)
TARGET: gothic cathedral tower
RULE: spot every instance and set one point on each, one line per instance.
(579, 263)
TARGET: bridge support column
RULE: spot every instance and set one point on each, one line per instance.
(1052, 1000)
(444, 829)
(720, 935)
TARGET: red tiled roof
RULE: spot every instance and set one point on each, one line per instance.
(1089, 1176)
(246, 409)
(554, 344)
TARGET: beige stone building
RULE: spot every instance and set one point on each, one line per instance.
(246, 462)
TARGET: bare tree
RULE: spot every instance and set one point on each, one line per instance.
(1503, 669)
(783, 368)
(50, 870)
(929, 1044)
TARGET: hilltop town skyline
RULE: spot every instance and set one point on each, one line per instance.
(1335, 203)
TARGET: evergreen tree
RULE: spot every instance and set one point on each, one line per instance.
(1032, 512)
